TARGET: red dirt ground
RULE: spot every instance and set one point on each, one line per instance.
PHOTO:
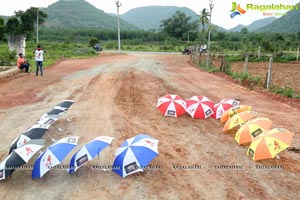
(116, 95)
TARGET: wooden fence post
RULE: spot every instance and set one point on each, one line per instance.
(246, 64)
(297, 53)
(258, 55)
(269, 76)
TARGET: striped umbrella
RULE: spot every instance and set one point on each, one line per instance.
(252, 129)
(199, 107)
(171, 105)
(234, 110)
(270, 143)
(222, 106)
(239, 119)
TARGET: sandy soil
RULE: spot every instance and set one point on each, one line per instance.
(116, 95)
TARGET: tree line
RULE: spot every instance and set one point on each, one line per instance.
(178, 27)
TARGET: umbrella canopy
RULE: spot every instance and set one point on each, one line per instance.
(234, 110)
(199, 107)
(171, 105)
(135, 154)
(239, 119)
(53, 156)
(252, 129)
(66, 104)
(270, 143)
(19, 157)
(58, 109)
(222, 106)
(34, 132)
(89, 151)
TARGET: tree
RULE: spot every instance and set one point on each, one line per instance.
(2, 29)
(23, 22)
(203, 17)
(178, 25)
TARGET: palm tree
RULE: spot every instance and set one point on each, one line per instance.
(203, 17)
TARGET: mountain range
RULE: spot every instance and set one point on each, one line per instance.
(81, 14)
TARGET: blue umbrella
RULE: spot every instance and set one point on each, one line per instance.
(53, 155)
(135, 154)
(89, 151)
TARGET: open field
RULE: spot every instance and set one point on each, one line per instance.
(116, 95)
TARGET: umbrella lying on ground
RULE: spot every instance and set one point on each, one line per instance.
(171, 105)
(19, 157)
(252, 129)
(270, 143)
(89, 151)
(53, 155)
(58, 110)
(199, 107)
(135, 154)
(239, 119)
(234, 110)
(222, 106)
(36, 131)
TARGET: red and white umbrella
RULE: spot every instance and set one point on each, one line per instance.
(171, 105)
(222, 106)
(199, 107)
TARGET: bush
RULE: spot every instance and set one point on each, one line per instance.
(7, 58)
(285, 91)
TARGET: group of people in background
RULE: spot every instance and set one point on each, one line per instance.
(22, 63)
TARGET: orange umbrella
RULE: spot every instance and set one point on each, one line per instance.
(251, 129)
(239, 119)
(234, 110)
(270, 143)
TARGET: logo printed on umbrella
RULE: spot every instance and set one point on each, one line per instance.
(276, 145)
(48, 162)
(28, 151)
(150, 143)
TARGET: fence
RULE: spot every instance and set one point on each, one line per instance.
(270, 73)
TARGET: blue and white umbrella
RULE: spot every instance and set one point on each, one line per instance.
(53, 155)
(89, 151)
(135, 154)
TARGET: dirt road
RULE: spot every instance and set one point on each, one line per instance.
(116, 95)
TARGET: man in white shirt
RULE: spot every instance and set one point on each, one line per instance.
(39, 58)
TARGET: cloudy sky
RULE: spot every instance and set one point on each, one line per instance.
(220, 14)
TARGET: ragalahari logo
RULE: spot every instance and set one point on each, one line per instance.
(236, 10)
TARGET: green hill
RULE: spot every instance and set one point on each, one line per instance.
(81, 14)
(254, 25)
(150, 17)
(287, 23)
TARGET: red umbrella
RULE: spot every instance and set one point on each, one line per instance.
(222, 106)
(171, 105)
(199, 107)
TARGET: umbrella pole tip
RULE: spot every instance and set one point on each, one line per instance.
(277, 157)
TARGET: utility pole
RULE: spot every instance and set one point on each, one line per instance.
(211, 6)
(37, 25)
(118, 4)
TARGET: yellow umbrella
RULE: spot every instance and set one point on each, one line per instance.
(234, 110)
(252, 129)
(270, 143)
(239, 119)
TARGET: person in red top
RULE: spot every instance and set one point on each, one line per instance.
(22, 63)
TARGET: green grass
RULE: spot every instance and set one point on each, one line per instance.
(285, 91)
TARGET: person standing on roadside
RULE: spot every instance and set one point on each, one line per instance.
(39, 58)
